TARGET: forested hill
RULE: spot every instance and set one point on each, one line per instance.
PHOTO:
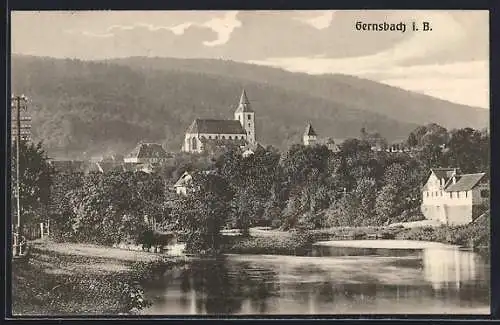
(88, 108)
(399, 104)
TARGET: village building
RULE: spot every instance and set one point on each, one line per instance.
(453, 198)
(203, 133)
(183, 183)
(147, 153)
(310, 136)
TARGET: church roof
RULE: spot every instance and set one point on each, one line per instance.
(244, 105)
(310, 131)
(465, 182)
(216, 127)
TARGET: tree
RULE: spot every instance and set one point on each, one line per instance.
(204, 212)
(412, 140)
(469, 150)
(36, 179)
(387, 205)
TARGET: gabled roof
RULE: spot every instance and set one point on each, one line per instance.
(183, 180)
(253, 147)
(309, 130)
(465, 182)
(244, 105)
(445, 173)
(209, 126)
(148, 150)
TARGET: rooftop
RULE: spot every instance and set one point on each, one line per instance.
(445, 173)
(465, 182)
(209, 126)
(148, 150)
(310, 131)
(244, 105)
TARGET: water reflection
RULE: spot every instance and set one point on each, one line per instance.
(416, 281)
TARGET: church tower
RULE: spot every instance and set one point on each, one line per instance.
(309, 136)
(246, 116)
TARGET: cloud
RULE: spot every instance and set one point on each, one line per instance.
(223, 27)
(320, 20)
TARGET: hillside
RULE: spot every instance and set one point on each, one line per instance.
(399, 104)
(88, 108)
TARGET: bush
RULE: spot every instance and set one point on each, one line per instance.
(297, 244)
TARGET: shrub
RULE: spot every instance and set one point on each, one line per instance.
(297, 244)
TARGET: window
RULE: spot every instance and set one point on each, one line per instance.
(427, 194)
(249, 116)
(451, 196)
(194, 143)
(223, 137)
(458, 195)
(441, 193)
(465, 193)
(485, 193)
(230, 137)
(249, 124)
(210, 137)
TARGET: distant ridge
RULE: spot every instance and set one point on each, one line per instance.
(85, 107)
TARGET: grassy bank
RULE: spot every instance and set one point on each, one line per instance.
(70, 279)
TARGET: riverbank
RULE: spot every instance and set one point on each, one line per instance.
(78, 279)
(475, 236)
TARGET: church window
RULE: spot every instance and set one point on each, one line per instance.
(223, 137)
(194, 144)
(210, 137)
(230, 137)
(249, 124)
(485, 193)
(451, 195)
(458, 195)
(249, 117)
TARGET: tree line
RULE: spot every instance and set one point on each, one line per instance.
(304, 187)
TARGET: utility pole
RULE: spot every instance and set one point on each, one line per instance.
(18, 233)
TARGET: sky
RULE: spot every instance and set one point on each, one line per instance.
(450, 62)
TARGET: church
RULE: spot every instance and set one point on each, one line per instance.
(240, 131)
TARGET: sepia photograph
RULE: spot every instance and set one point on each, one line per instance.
(228, 163)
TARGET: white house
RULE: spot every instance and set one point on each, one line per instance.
(453, 198)
(239, 131)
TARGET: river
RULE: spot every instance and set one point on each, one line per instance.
(349, 277)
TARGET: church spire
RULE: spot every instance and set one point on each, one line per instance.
(309, 130)
(244, 105)
(310, 136)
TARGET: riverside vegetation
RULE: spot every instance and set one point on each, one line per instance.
(310, 189)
